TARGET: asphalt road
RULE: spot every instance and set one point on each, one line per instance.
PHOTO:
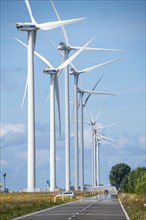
(95, 208)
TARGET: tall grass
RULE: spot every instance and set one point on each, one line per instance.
(134, 205)
(18, 204)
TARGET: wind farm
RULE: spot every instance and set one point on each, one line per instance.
(72, 109)
(54, 88)
(75, 54)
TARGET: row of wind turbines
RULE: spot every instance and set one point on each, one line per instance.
(64, 49)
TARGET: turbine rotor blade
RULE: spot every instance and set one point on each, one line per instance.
(69, 60)
(54, 24)
(43, 59)
(99, 93)
(71, 64)
(58, 74)
(72, 116)
(97, 49)
(104, 137)
(58, 101)
(106, 142)
(62, 27)
(105, 126)
(51, 42)
(35, 34)
(88, 116)
(86, 100)
(29, 11)
(25, 90)
(99, 65)
(47, 98)
(96, 118)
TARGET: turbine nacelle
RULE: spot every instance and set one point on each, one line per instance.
(73, 71)
(63, 46)
(80, 90)
(26, 26)
(50, 71)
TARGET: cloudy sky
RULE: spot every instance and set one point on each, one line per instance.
(115, 24)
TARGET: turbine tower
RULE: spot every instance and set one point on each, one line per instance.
(66, 47)
(99, 140)
(31, 28)
(54, 88)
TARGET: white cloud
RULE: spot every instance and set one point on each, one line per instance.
(130, 140)
(21, 155)
(42, 157)
(142, 140)
(87, 138)
(7, 127)
(3, 163)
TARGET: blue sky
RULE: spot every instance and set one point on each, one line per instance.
(116, 24)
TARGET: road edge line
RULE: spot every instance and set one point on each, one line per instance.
(27, 215)
(127, 216)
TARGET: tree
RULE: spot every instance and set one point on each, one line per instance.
(141, 183)
(124, 184)
(137, 180)
(118, 173)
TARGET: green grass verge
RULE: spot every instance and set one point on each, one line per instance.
(18, 204)
(134, 205)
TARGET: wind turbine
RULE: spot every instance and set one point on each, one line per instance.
(32, 28)
(54, 88)
(97, 139)
(66, 47)
(81, 93)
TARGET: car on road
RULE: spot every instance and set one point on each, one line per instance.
(69, 194)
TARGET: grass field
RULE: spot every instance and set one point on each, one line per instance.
(18, 204)
(134, 205)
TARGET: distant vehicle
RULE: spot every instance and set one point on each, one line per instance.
(106, 191)
(69, 194)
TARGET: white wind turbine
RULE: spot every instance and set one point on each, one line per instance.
(66, 47)
(32, 28)
(54, 88)
(97, 139)
(81, 93)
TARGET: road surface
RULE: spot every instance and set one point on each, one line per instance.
(93, 208)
